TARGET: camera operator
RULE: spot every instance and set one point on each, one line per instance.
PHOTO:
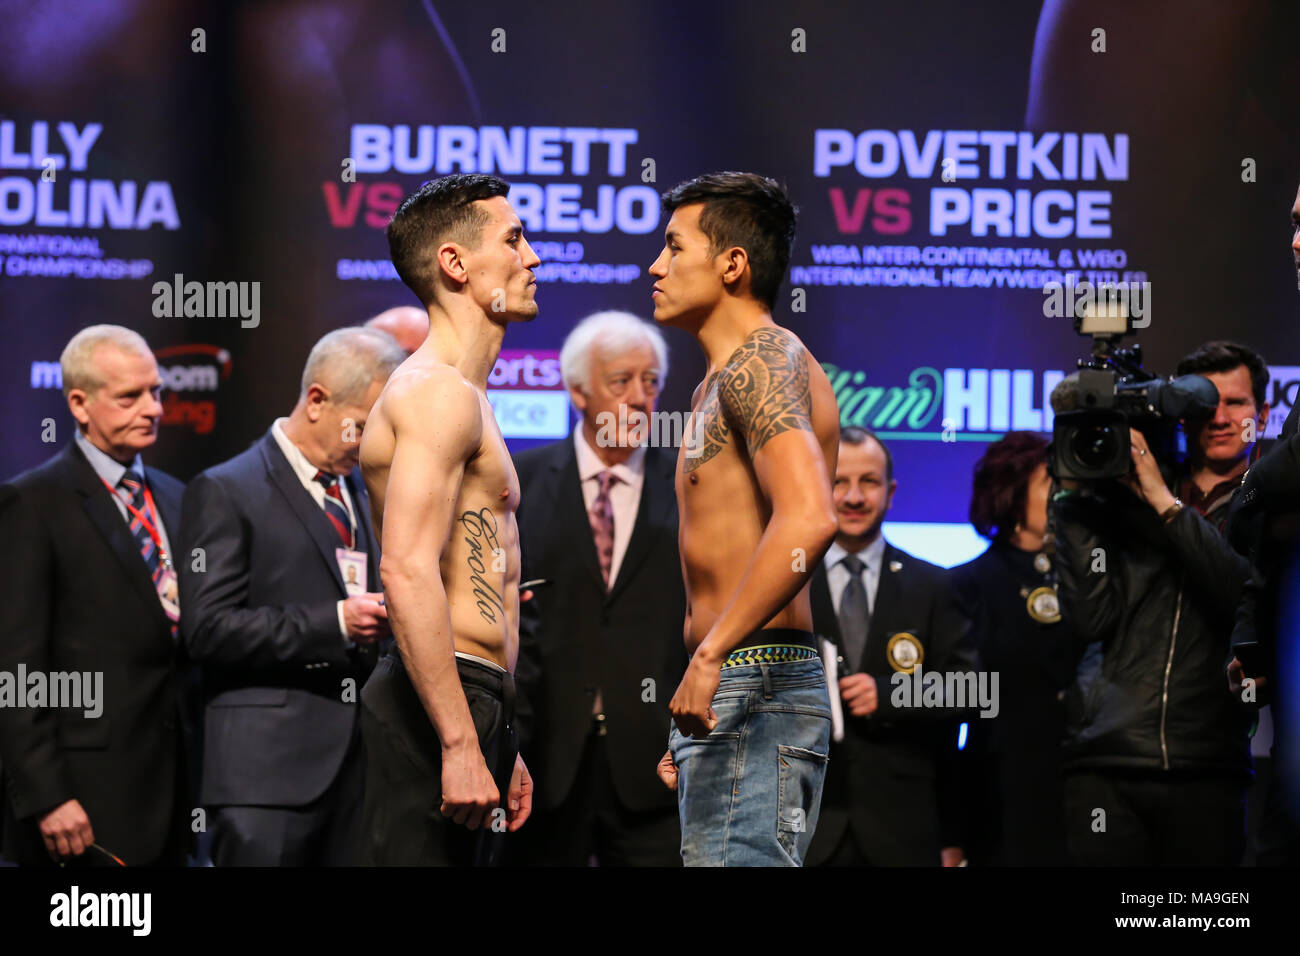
(1157, 750)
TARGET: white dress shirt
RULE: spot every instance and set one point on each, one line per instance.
(837, 578)
(306, 473)
(624, 494)
(837, 575)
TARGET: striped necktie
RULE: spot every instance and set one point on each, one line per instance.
(335, 509)
(144, 540)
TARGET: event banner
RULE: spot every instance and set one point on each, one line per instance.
(218, 176)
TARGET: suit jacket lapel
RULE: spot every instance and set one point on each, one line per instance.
(170, 506)
(652, 515)
(569, 502)
(888, 595)
(365, 533)
(302, 504)
(103, 514)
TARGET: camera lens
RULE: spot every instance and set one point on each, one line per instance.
(1095, 446)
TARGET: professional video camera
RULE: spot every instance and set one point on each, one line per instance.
(1096, 406)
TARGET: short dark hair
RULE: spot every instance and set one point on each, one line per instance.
(1002, 482)
(439, 210)
(1224, 356)
(856, 435)
(746, 210)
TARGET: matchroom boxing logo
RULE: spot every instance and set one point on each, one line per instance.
(194, 369)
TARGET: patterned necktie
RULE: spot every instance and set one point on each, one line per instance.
(602, 524)
(335, 509)
(144, 541)
(853, 614)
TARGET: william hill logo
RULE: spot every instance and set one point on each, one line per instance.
(190, 375)
(977, 404)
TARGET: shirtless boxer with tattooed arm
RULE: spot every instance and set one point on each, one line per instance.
(436, 714)
(748, 749)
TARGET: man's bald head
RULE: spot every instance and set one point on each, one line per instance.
(406, 323)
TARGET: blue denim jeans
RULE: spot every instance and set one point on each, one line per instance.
(749, 793)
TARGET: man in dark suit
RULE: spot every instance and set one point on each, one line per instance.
(883, 613)
(91, 598)
(601, 642)
(284, 641)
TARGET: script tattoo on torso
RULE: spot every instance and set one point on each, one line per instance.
(481, 536)
(765, 387)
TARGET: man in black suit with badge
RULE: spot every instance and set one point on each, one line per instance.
(881, 612)
(284, 640)
(90, 604)
(601, 641)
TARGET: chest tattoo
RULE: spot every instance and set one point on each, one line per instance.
(709, 429)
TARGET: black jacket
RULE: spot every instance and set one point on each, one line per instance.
(261, 618)
(881, 780)
(1152, 605)
(1265, 524)
(1012, 779)
(575, 637)
(80, 599)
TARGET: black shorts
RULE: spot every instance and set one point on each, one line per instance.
(403, 821)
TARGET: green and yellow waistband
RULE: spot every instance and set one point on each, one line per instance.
(769, 654)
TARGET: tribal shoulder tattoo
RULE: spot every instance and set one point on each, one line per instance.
(762, 391)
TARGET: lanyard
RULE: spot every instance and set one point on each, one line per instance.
(144, 521)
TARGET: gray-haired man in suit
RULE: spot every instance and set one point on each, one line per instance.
(282, 636)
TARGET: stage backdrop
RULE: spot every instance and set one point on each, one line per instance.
(948, 163)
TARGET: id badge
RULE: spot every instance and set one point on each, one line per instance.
(169, 593)
(352, 565)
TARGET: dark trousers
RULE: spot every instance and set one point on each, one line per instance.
(1278, 835)
(592, 823)
(847, 852)
(1153, 818)
(325, 832)
(403, 820)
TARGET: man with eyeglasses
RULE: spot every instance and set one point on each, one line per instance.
(600, 643)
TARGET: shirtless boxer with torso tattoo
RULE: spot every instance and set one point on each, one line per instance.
(440, 749)
(747, 752)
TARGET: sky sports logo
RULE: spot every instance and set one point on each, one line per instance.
(528, 395)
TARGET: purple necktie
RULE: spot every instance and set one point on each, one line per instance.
(602, 532)
(602, 524)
